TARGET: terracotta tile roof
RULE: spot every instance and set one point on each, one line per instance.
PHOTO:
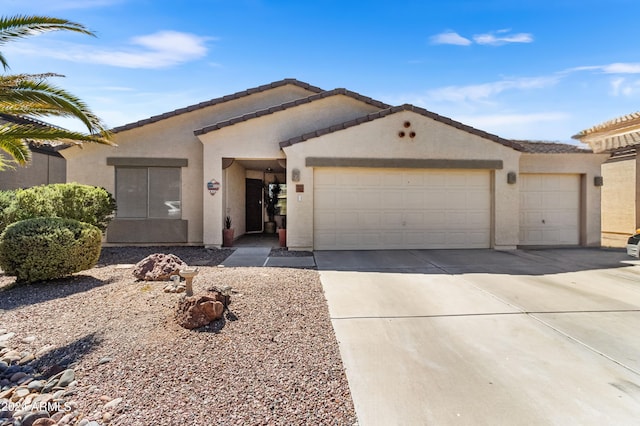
(613, 135)
(291, 104)
(543, 147)
(394, 110)
(45, 147)
(216, 101)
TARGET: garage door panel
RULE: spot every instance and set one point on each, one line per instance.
(391, 208)
(550, 209)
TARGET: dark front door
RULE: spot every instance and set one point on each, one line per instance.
(254, 205)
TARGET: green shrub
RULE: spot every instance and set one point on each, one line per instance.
(6, 199)
(46, 248)
(85, 203)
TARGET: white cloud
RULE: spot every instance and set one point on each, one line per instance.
(482, 92)
(623, 87)
(450, 37)
(493, 38)
(614, 68)
(159, 50)
(544, 125)
(622, 68)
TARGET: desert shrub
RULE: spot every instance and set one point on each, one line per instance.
(6, 199)
(45, 248)
(84, 203)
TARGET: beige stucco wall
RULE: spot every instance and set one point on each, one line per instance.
(259, 138)
(234, 198)
(379, 139)
(619, 218)
(42, 169)
(173, 138)
(587, 165)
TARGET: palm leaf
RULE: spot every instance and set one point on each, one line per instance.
(20, 26)
(17, 148)
(31, 95)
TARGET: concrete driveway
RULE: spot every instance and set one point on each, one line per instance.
(480, 337)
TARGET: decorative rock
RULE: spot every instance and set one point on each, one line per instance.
(107, 417)
(26, 359)
(6, 336)
(30, 418)
(17, 376)
(112, 404)
(67, 377)
(11, 356)
(44, 422)
(105, 360)
(29, 339)
(21, 392)
(45, 349)
(197, 311)
(158, 267)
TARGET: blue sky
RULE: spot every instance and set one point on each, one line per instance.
(526, 69)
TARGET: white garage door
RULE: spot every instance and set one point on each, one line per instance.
(401, 208)
(549, 209)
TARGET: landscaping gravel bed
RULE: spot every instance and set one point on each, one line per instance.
(273, 358)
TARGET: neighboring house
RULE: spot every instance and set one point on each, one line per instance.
(620, 138)
(46, 165)
(359, 174)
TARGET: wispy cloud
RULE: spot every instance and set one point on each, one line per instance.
(159, 50)
(450, 37)
(501, 37)
(483, 92)
(493, 38)
(63, 4)
(614, 68)
(625, 87)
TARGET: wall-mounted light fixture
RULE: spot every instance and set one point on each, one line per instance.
(598, 181)
(511, 178)
(295, 175)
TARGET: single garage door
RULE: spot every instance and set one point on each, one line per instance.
(549, 209)
(401, 208)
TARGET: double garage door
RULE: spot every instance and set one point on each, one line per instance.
(433, 209)
(401, 208)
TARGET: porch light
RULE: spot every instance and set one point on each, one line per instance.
(598, 181)
(511, 178)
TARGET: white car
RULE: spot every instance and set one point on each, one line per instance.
(632, 244)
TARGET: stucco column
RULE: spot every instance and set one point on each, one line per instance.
(212, 205)
(506, 209)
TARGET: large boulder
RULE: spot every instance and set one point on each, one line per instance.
(158, 267)
(198, 311)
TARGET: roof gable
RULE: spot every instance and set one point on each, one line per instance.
(216, 101)
(396, 109)
(291, 104)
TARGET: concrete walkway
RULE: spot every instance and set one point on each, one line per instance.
(479, 337)
(259, 256)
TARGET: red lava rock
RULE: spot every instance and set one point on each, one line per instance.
(158, 267)
(197, 311)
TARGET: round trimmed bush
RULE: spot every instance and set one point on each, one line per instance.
(46, 248)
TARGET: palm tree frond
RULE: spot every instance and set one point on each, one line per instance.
(30, 132)
(17, 148)
(29, 95)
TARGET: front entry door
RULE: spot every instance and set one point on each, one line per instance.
(254, 205)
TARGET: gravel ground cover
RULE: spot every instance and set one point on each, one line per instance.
(273, 358)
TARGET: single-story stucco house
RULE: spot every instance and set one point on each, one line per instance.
(46, 165)
(359, 174)
(620, 138)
